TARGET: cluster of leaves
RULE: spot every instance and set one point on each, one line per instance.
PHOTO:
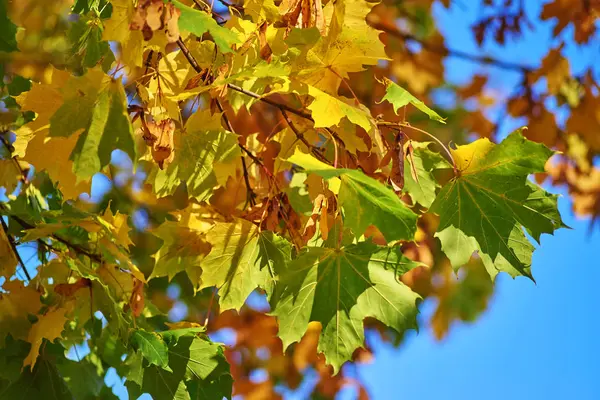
(236, 153)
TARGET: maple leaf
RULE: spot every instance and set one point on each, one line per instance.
(328, 110)
(116, 28)
(183, 249)
(98, 104)
(49, 326)
(10, 175)
(350, 44)
(88, 48)
(486, 206)
(8, 259)
(364, 200)
(109, 129)
(340, 288)
(8, 30)
(45, 99)
(44, 381)
(421, 184)
(198, 369)
(198, 22)
(242, 259)
(152, 347)
(400, 97)
(15, 306)
(261, 10)
(203, 143)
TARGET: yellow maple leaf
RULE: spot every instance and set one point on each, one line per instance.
(42, 150)
(350, 44)
(329, 110)
(116, 28)
(117, 223)
(15, 305)
(49, 326)
(9, 175)
(8, 260)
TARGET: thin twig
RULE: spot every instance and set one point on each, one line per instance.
(11, 240)
(281, 106)
(409, 126)
(192, 60)
(208, 8)
(250, 195)
(313, 149)
(394, 31)
(76, 248)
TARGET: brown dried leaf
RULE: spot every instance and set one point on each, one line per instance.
(265, 49)
(69, 289)
(160, 137)
(303, 14)
(155, 15)
(136, 302)
(397, 174)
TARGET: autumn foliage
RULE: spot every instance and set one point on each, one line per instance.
(272, 174)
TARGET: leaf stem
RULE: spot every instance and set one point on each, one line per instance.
(313, 149)
(414, 128)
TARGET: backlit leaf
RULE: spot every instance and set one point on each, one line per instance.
(340, 288)
(242, 259)
(49, 326)
(198, 22)
(152, 347)
(365, 201)
(487, 206)
(400, 97)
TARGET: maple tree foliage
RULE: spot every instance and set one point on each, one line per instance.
(279, 163)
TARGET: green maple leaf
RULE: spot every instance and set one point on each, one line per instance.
(203, 142)
(84, 379)
(364, 200)
(88, 48)
(152, 347)
(183, 249)
(242, 259)
(198, 22)
(8, 30)
(400, 97)
(340, 288)
(486, 207)
(196, 365)
(110, 129)
(44, 382)
(425, 162)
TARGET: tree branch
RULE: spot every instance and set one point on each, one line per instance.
(314, 150)
(14, 248)
(74, 247)
(487, 60)
(251, 195)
